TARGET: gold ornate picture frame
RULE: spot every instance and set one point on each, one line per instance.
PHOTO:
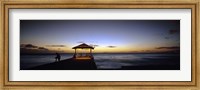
(109, 85)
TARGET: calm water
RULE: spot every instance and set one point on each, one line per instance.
(105, 61)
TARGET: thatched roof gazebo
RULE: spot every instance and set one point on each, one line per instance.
(80, 56)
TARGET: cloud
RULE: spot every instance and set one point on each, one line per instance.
(31, 47)
(174, 47)
(28, 46)
(80, 42)
(25, 49)
(112, 46)
(167, 37)
(94, 45)
(55, 45)
(42, 48)
(146, 50)
(173, 31)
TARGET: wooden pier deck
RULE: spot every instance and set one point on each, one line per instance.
(68, 64)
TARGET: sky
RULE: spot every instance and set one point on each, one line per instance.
(107, 36)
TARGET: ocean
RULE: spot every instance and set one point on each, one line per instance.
(107, 61)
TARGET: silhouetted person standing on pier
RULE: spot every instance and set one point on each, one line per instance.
(57, 57)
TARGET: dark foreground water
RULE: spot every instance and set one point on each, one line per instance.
(112, 61)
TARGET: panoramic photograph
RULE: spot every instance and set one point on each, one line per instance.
(99, 44)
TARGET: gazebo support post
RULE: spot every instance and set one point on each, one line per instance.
(75, 53)
(90, 52)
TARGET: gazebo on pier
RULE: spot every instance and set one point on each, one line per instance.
(81, 55)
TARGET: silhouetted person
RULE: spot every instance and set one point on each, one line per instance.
(57, 57)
